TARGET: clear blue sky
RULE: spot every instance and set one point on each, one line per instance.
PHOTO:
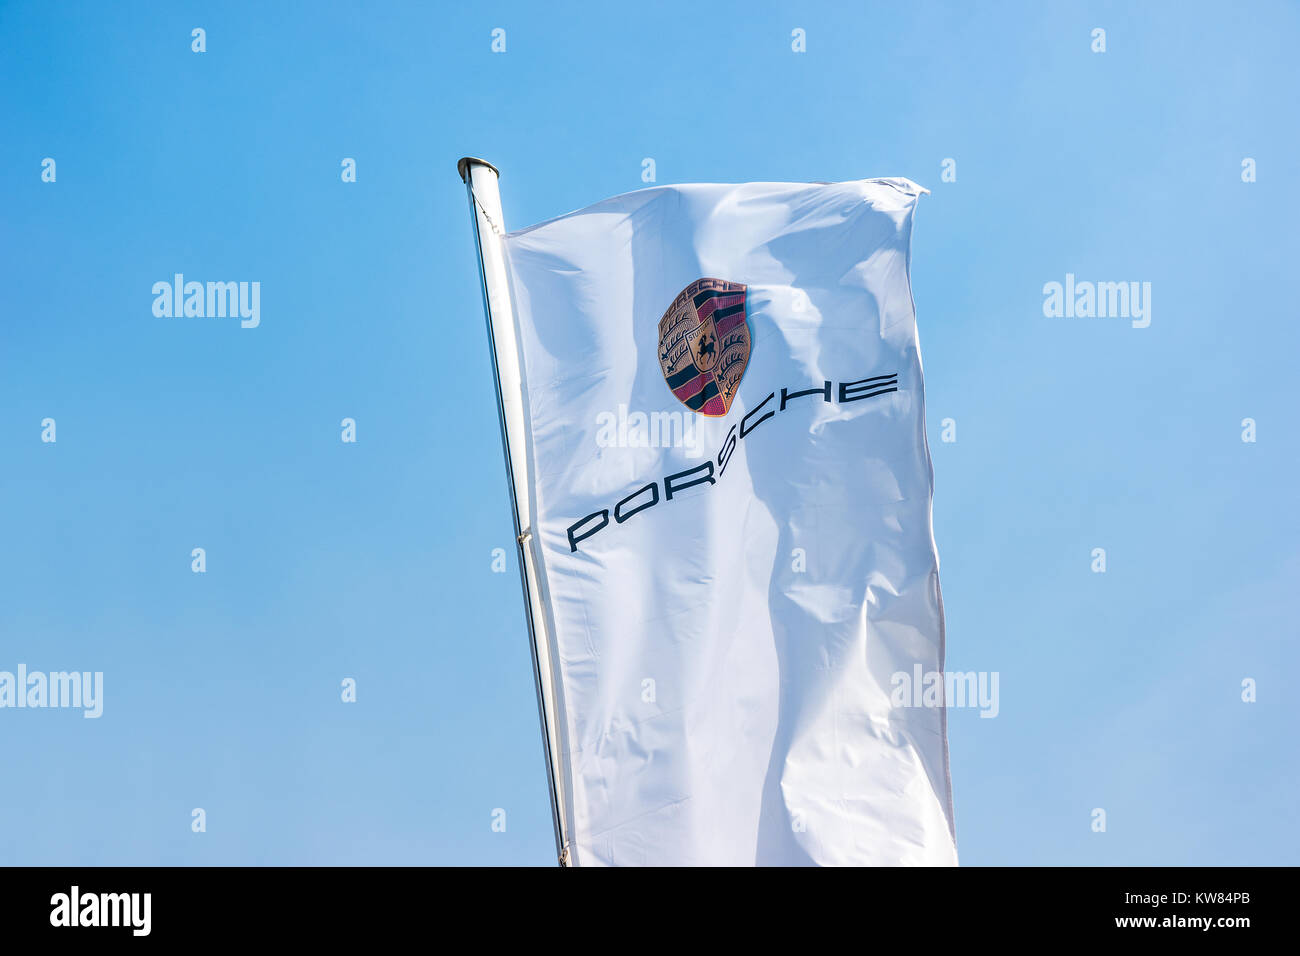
(372, 560)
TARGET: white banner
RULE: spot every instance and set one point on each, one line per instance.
(731, 487)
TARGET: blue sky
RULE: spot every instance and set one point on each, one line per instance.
(372, 560)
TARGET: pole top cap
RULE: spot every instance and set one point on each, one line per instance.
(465, 162)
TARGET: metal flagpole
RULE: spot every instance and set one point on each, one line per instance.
(481, 180)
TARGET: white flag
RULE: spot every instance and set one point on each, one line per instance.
(731, 490)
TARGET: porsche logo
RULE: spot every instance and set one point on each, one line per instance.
(704, 344)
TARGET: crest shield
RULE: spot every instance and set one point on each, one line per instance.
(704, 345)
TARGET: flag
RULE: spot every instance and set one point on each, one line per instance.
(730, 490)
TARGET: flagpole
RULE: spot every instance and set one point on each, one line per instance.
(481, 181)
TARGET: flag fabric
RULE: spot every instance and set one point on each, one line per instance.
(732, 489)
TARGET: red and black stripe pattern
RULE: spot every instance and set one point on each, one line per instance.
(704, 345)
